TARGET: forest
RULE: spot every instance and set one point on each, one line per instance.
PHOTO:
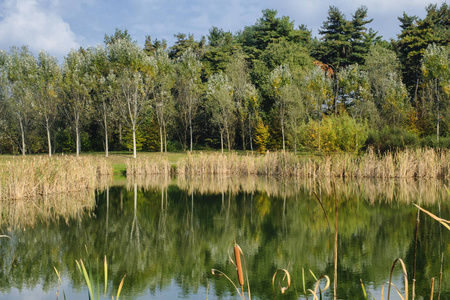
(270, 86)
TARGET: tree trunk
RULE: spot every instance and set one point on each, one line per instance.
(22, 131)
(438, 112)
(77, 137)
(161, 138)
(190, 128)
(228, 140)
(243, 133)
(120, 133)
(250, 133)
(221, 140)
(134, 141)
(282, 133)
(106, 136)
(47, 127)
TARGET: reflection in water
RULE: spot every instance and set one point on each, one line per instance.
(167, 234)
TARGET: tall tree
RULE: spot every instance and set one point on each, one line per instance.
(238, 73)
(77, 85)
(162, 94)
(134, 79)
(22, 69)
(102, 94)
(48, 82)
(221, 105)
(436, 73)
(281, 81)
(188, 88)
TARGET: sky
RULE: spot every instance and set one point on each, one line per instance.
(57, 26)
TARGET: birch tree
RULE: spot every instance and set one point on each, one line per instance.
(435, 70)
(133, 83)
(162, 95)
(76, 85)
(188, 91)
(281, 82)
(48, 81)
(101, 76)
(221, 105)
(21, 75)
(238, 73)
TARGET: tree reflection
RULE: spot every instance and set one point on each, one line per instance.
(174, 231)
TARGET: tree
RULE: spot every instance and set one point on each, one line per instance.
(271, 29)
(389, 93)
(221, 105)
(102, 77)
(317, 90)
(281, 82)
(188, 87)
(48, 80)
(162, 95)
(76, 86)
(238, 73)
(436, 73)
(22, 69)
(132, 84)
(186, 43)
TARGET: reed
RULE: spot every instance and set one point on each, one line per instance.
(419, 163)
(149, 166)
(39, 176)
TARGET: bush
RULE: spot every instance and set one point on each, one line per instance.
(431, 142)
(391, 139)
(335, 134)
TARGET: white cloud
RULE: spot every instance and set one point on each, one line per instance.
(34, 23)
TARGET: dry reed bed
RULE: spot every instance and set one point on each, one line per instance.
(148, 166)
(34, 176)
(420, 163)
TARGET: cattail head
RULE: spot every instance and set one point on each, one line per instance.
(237, 257)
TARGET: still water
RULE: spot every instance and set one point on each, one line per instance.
(167, 234)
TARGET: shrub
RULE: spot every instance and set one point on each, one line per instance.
(390, 139)
(335, 134)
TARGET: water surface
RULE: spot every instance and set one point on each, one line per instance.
(167, 234)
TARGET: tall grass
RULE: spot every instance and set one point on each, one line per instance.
(39, 176)
(149, 166)
(419, 163)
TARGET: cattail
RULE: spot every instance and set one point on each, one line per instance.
(237, 257)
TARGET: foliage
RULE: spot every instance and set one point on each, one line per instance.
(261, 136)
(391, 139)
(335, 134)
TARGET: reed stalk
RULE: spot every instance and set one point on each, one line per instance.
(40, 176)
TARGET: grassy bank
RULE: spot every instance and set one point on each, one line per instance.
(33, 176)
(38, 175)
(420, 163)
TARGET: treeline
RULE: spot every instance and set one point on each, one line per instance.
(268, 86)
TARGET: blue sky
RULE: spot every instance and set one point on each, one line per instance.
(57, 26)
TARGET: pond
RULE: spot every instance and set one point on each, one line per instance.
(166, 234)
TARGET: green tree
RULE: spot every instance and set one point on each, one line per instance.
(220, 103)
(133, 83)
(76, 86)
(22, 68)
(238, 73)
(48, 82)
(281, 82)
(102, 94)
(162, 94)
(436, 73)
(188, 88)
(261, 136)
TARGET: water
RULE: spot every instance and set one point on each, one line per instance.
(167, 234)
